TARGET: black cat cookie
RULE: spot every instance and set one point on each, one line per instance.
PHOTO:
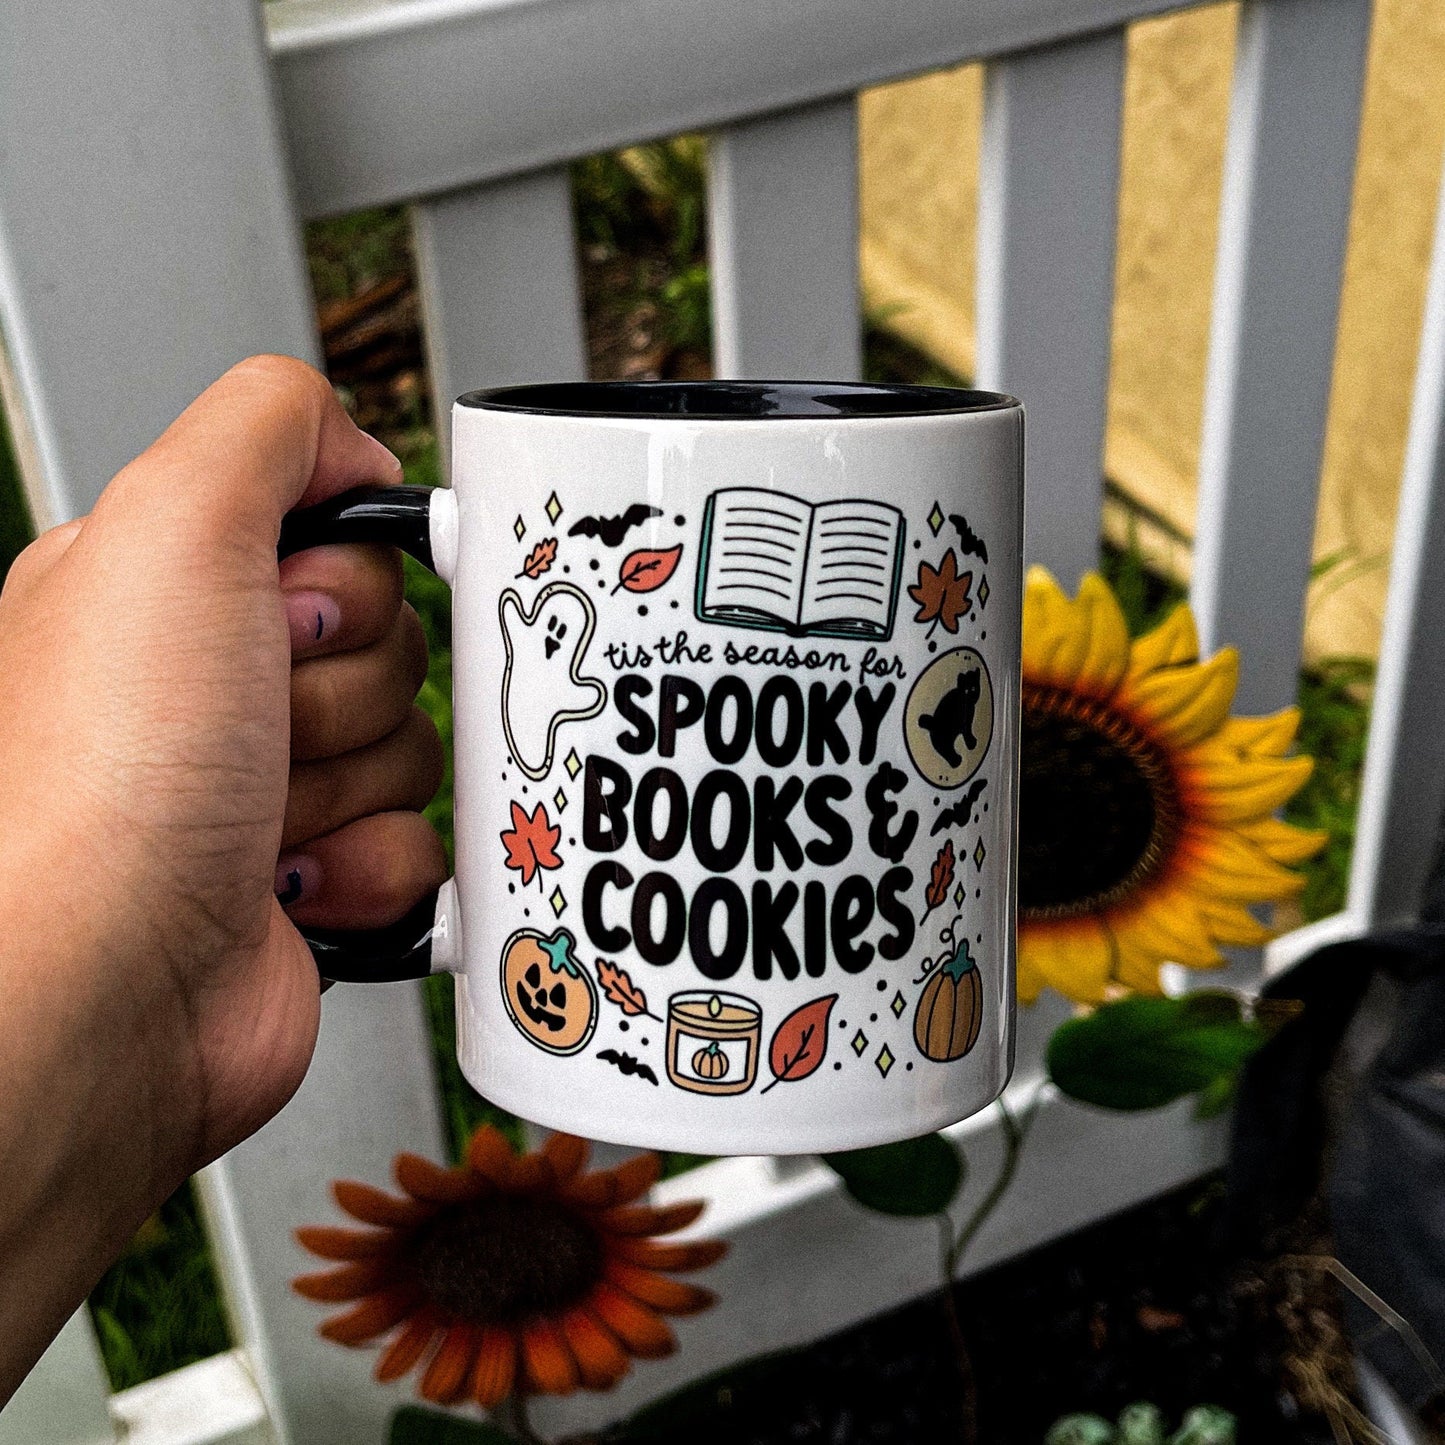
(948, 721)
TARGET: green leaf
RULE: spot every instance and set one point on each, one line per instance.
(913, 1177)
(1142, 1053)
(1206, 1425)
(412, 1425)
(1081, 1430)
(1216, 1098)
(1141, 1424)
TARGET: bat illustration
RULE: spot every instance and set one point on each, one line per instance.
(969, 542)
(626, 1064)
(611, 530)
(962, 811)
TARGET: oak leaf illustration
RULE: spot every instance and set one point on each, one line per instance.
(540, 558)
(800, 1041)
(621, 990)
(646, 570)
(942, 594)
(940, 880)
(531, 843)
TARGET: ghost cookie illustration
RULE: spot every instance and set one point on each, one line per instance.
(543, 686)
(948, 719)
(548, 994)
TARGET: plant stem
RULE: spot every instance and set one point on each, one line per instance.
(1015, 1133)
(520, 1421)
(969, 1386)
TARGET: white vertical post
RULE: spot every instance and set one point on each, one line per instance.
(1048, 204)
(1288, 176)
(65, 1399)
(783, 238)
(1404, 783)
(147, 234)
(501, 299)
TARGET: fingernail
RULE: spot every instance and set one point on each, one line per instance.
(297, 876)
(311, 617)
(384, 454)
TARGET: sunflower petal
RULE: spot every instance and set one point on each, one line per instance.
(451, 1367)
(1231, 789)
(1171, 644)
(375, 1206)
(1074, 957)
(548, 1363)
(641, 1329)
(1081, 645)
(1227, 865)
(424, 1180)
(566, 1156)
(652, 1254)
(641, 1219)
(601, 1359)
(372, 1317)
(496, 1368)
(1282, 842)
(1270, 736)
(1234, 926)
(667, 1296)
(348, 1282)
(491, 1155)
(409, 1345)
(327, 1241)
(604, 1188)
(1184, 705)
(1164, 925)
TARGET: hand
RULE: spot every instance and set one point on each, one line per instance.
(177, 711)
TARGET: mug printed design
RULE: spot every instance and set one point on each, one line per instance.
(710, 826)
(772, 561)
(545, 648)
(548, 994)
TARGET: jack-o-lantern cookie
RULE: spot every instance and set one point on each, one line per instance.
(548, 993)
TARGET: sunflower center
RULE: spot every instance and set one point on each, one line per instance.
(495, 1261)
(1098, 806)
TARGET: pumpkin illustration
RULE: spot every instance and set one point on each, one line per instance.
(950, 1009)
(548, 994)
(711, 1062)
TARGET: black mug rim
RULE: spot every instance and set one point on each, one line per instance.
(734, 400)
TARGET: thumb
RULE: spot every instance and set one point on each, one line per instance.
(268, 436)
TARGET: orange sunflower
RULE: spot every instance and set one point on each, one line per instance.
(511, 1274)
(1147, 826)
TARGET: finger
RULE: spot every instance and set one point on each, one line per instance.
(270, 435)
(346, 702)
(402, 771)
(35, 562)
(338, 598)
(364, 875)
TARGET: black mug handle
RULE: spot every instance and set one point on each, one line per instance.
(391, 517)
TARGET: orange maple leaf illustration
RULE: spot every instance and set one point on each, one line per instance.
(540, 558)
(942, 594)
(531, 843)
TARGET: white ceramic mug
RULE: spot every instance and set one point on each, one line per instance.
(736, 749)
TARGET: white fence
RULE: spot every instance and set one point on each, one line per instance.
(153, 173)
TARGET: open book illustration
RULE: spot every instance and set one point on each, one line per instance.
(775, 562)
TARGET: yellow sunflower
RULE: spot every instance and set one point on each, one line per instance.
(511, 1274)
(1147, 825)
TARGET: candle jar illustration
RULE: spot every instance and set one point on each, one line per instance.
(713, 1041)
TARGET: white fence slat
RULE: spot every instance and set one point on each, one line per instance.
(1048, 203)
(65, 1398)
(213, 1402)
(783, 238)
(1288, 175)
(370, 1094)
(390, 101)
(147, 233)
(501, 299)
(806, 1261)
(1404, 780)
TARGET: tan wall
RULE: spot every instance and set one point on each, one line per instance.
(919, 186)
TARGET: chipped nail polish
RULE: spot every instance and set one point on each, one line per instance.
(296, 878)
(311, 616)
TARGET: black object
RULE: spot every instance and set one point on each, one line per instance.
(390, 517)
(1380, 1158)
